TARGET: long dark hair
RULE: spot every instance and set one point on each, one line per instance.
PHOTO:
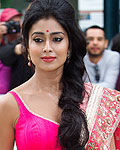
(73, 132)
(115, 43)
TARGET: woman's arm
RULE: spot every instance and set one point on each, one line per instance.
(7, 122)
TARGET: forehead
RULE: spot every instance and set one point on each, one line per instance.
(16, 18)
(95, 33)
(44, 25)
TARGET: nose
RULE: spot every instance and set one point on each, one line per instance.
(95, 41)
(47, 47)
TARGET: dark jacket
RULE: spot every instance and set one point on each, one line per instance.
(118, 83)
(20, 72)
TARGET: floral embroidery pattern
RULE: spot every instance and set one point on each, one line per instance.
(117, 137)
(107, 119)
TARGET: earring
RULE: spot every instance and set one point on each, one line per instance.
(29, 61)
(68, 55)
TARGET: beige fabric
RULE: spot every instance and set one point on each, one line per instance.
(93, 104)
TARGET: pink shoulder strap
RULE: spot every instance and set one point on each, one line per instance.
(19, 101)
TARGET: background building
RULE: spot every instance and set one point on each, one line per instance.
(104, 13)
(90, 13)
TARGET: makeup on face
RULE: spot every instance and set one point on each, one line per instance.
(48, 45)
(48, 58)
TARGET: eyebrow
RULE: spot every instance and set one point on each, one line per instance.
(95, 37)
(52, 33)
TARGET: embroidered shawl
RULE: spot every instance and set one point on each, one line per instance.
(103, 115)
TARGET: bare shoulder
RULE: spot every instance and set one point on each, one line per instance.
(8, 115)
(8, 107)
(7, 101)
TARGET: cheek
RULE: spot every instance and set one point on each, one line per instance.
(88, 46)
(90, 43)
(65, 48)
(34, 49)
(102, 45)
(34, 53)
(63, 53)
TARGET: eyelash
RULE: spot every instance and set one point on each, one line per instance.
(57, 39)
(38, 40)
(54, 40)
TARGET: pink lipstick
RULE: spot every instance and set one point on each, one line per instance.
(48, 58)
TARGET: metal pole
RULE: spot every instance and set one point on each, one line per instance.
(111, 18)
(75, 5)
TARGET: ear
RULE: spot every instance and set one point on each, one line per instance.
(106, 43)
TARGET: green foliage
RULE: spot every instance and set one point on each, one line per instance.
(18, 4)
(22, 4)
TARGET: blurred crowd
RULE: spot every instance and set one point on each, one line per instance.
(102, 64)
(14, 69)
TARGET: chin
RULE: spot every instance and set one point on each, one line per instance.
(97, 54)
(48, 69)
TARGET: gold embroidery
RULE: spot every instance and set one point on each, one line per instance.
(117, 138)
(93, 146)
(106, 119)
(118, 98)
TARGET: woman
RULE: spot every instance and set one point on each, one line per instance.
(48, 111)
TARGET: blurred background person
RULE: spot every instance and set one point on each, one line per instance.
(5, 71)
(115, 46)
(115, 43)
(14, 69)
(102, 64)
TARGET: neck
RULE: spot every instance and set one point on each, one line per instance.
(46, 81)
(96, 59)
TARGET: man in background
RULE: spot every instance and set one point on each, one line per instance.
(14, 69)
(102, 64)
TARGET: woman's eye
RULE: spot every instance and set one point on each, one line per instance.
(38, 40)
(57, 39)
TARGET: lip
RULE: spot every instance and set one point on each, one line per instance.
(95, 48)
(48, 58)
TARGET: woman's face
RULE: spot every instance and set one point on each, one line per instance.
(48, 45)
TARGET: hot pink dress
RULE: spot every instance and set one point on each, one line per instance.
(34, 132)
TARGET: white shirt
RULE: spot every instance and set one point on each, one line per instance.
(108, 69)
